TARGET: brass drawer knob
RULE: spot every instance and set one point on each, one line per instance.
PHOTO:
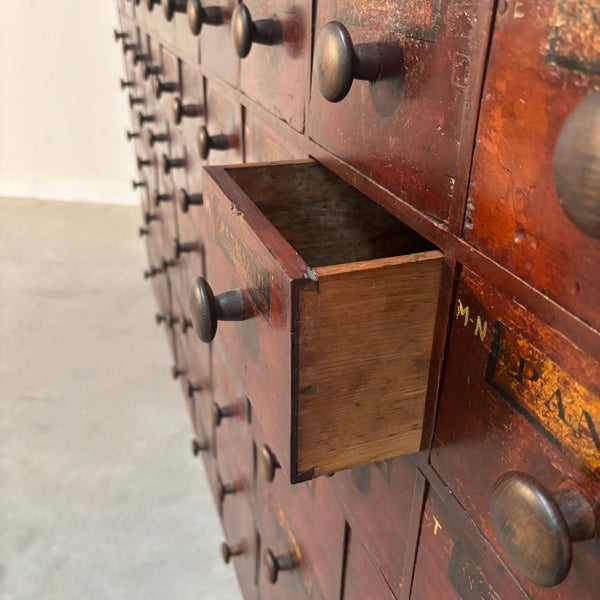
(222, 412)
(149, 69)
(120, 35)
(154, 138)
(338, 62)
(181, 110)
(273, 564)
(160, 198)
(143, 162)
(160, 87)
(207, 309)
(170, 7)
(172, 163)
(135, 100)
(138, 184)
(207, 142)
(245, 31)
(186, 200)
(179, 248)
(144, 118)
(577, 166)
(198, 16)
(131, 135)
(227, 551)
(267, 463)
(224, 489)
(536, 528)
(198, 447)
(126, 83)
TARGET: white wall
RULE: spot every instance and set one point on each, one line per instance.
(62, 115)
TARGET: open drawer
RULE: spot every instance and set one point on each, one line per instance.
(333, 303)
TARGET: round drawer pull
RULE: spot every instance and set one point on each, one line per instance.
(536, 528)
(198, 16)
(159, 198)
(155, 138)
(186, 200)
(222, 412)
(126, 83)
(338, 62)
(245, 31)
(152, 272)
(172, 163)
(192, 388)
(206, 142)
(144, 118)
(128, 47)
(142, 231)
(148, 70)
(138, 184)
(176, 372)
(143, 162)
(120, 35)
(272, 564)
(577, 166)
(181, 110)
(185, 325)
(267, 463)
(170, 7)
(166, 265)
(207, 309)
(135, 100)
(149, 217)
(150, 4)
(223, 489)
(160, 87)
(198, 447)
(227, 551)
(139, 57)
(159, 318)
(131, 135)
(179, 248)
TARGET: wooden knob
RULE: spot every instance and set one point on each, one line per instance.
(148, 70)
(131, 135)
(160, 87)
(273, 564)
(198, 16)
(143, 162)
(222, 412)
(128, 47)
(181, 110)
(139, 57)
(160, 198)
(267, 463)
(149, 217)
(170, 7)
(577, 166)
(144, 118)
(223, 489)
(154, 138)
(135, 100)
(176, 372)
(142, 231)
(227, 551)
(338, 62)
(179, 248)
(138, 184)
(152, 272)
(208, 142)
(185, 325)
(120, 35)
(198, 447)
(150, 4)
(192, 388)
(245, 31)
(126, 83)
(160, 318)
(172, 163)
(186, 200)
(536, 528)
(207, 309)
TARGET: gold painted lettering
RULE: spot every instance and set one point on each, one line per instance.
(436, 526)
(481, 328)
(463, 312)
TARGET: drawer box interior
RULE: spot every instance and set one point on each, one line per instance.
(361, 309)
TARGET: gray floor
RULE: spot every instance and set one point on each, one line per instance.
(100, 497)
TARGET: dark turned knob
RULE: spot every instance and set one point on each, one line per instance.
(170, 7)
(267, 463)
(149, 217)
(139, 57)
(198, 16)
(120, 35)
(148, 70)
(159, 87)
(172, 163)
(245, 31)
(167, 264)
(223, 489)
(338, 61)
(126, 83)
(181, 110)
(160, 318)
(192, 388)
(272, 564)
(158, 198)
(142, 231)
(154, 138)
(179, 248)
(198, 447)
(176, 372)
(185, 325)
(172, 321)
(134, 100)
(536, 528)
(206, 142)
(143, 162)
(186, 200)
(577, 166)
(129, 47)
(222, 412)
(145, 118)
(132, 135)
(207, 309)
(227, 551)
(138, 184)
(152, 272)
(150, 4)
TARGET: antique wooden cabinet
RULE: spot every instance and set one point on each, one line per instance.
(373, 235)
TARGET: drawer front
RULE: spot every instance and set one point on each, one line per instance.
(528, 402)
(186, 42)
(224, 128)
(382, 503)
(276, 75)
(217, 53)
(412, 130)
(154, 19)
(513, 213)
(455, 562)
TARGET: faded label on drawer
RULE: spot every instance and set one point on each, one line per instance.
(563, 409)
(251, 275)
(467, 578)
(575, 35)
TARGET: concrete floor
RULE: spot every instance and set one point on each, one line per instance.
(100, 497)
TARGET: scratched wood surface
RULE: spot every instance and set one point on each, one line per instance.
(528, 402)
